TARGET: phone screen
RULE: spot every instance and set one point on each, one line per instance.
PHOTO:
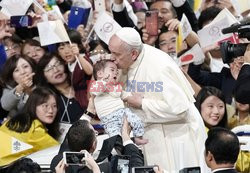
(122, 164)
(20, 21)
(74, 158)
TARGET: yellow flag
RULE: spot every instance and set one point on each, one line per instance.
(197, 4)
(179, 39)
(5, 146)
(11, 145)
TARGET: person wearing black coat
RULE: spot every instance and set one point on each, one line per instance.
(81, 136)
(221, 150)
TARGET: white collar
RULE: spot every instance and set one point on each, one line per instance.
(221, 169)
(72, 66)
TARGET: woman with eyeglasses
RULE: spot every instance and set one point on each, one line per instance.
(17, 79)
(34, 128)
(53, 72)
(12, 45)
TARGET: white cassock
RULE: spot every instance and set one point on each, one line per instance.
(173, 125)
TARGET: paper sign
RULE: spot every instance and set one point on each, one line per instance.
(105, 27)
(212, 33)
(57, 13)
(15, 7)
(244, 5)
(195, 54)
(186, 27)
(225, 13)
(51, 32)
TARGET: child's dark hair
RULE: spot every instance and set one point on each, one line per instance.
(100, 65)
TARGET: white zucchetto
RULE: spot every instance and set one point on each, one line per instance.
(130, 36)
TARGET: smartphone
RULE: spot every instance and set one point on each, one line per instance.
(100, 5)
(191, 170)
(20, 21)
(78, 16)
(121, 164)
(144, 169)
(74, 158)
(151, 22)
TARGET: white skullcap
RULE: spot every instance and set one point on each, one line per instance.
(130, 36)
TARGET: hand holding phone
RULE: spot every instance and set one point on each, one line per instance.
(151, 22)
(121, 164)
(74, 158)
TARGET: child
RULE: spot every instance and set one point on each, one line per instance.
(108, 102)
(241, 116)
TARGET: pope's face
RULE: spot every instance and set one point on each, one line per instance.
(121, 56)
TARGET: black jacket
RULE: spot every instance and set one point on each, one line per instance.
(242, 87)
(222, 80)
(227, 171)
(136, 156)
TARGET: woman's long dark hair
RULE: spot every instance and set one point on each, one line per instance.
(204, 93)
(23, 120)
(9, 67)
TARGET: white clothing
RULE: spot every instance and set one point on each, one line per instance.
(216, 65)
(106, 102)
(173, 125)
(111, 110)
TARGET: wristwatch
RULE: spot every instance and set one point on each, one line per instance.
(18, 94)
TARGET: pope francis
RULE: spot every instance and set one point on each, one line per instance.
(173, 125)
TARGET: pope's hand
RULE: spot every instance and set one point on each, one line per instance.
(135, 100)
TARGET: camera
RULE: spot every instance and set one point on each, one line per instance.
(230, 51)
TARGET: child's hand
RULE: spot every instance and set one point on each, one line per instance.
(75, 50)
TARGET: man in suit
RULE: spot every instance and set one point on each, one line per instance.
(242, 87)
(221, 150)
(81, 136)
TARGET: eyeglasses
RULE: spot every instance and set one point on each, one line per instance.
(14, 47)
(51, 67)
(164, 42)
(46, 107)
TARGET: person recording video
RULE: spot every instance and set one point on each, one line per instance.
(242, 87)
(81, 136)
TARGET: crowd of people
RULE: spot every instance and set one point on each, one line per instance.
(156, 110)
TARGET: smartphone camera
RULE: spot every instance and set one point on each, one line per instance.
(74, 158)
